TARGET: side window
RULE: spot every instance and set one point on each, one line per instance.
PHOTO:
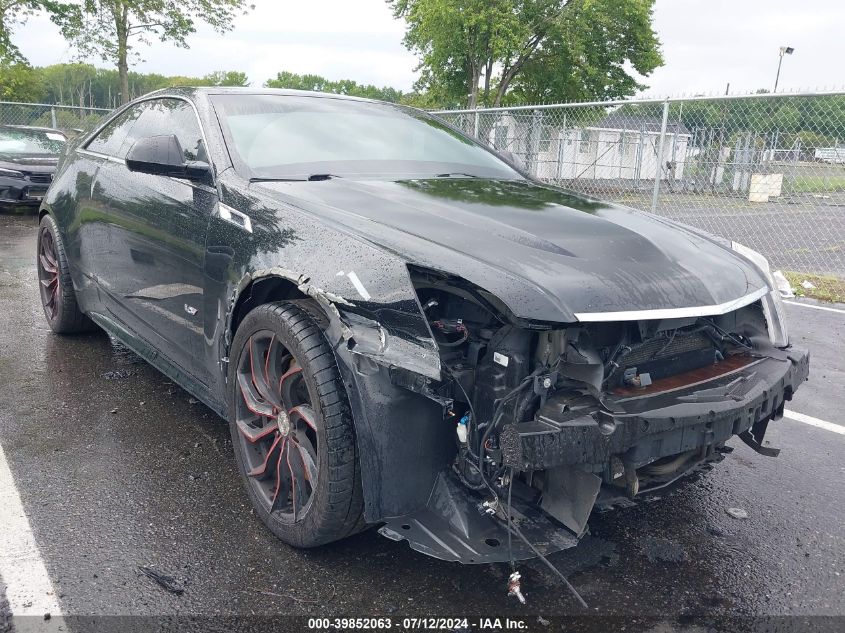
(160, 117)
(111, 139)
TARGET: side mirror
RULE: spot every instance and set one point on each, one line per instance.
(163, 156)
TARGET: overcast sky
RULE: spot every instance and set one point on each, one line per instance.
(706, 44)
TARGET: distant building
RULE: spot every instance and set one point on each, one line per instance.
(830, 155)
(622, 148)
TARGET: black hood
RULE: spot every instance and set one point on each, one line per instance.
(533, 246)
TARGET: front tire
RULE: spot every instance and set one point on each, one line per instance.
(58, 297)
(292, 428)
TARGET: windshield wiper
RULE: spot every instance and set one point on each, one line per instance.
(455, 173)
(310, 177)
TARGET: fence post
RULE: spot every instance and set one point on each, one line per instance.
(53, 117)
(475, 125)
(563, 135)
(659, 169)
(534, 146)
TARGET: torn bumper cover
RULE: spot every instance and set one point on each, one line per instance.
(641, 428)
(632, 430)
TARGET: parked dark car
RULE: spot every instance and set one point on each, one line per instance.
(28, 157)
(401, 327)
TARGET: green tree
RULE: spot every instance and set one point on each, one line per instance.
(69, 83)
(113, 29)
(20, 82)
(227, 78)
(317, 83)
(421, 100)
(494, 51)
(14, 13)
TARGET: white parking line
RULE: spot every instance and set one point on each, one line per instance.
(806, 419)
(814, 307)
(28, 587)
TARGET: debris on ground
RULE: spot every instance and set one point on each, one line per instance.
(169, 583)
(783, 285)
(193, 401)
(114, 410)
(737, 513)
(295, 598)
(808, 285)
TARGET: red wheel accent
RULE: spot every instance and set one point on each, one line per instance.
(261, 470)
(308, 463)
(278, 475)
(287, 383)
(252, 403)
(259, 357)
(304, 413)
(253, 434)
(294, 499)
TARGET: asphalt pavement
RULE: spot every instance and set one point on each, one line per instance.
(797, 232)
(116, 469)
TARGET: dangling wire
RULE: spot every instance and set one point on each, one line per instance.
(557, 572)
(510, 544)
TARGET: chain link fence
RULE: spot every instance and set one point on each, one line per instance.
(764, 170)
(70, 119)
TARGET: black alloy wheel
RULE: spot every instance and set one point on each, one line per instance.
(292, 428)
(277, 425)
(58, 297)
(48, 273)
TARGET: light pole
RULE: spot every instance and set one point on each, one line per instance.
(784, 50)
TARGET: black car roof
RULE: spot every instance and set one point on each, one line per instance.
(194, 91)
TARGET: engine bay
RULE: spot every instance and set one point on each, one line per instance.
(543, 408)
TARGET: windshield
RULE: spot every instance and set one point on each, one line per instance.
(40, 142)
(296, 137)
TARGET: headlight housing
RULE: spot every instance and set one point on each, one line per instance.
(10, 173)
(772, 302)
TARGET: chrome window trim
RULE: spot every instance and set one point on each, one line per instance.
(108, 157)
(672, 313)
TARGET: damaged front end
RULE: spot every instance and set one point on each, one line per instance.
(550, 420)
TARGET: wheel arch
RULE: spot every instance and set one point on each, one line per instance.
(262, 291)
(384, 447)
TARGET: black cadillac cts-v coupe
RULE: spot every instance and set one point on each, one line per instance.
(401, 327)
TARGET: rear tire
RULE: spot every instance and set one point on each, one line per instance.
(292, 428)
(58, 298)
